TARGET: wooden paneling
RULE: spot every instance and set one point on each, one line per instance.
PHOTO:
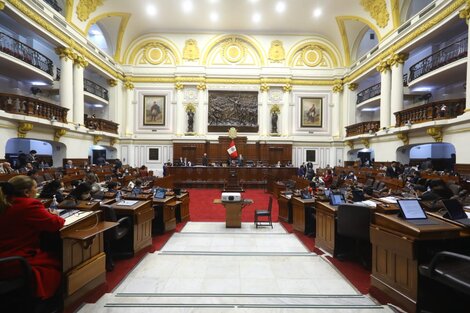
(325, 226)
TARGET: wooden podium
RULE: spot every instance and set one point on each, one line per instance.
(233, 212)
(233, 183)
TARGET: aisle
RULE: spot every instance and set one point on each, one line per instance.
(208, 268)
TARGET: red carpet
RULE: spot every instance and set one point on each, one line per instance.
(202, 209)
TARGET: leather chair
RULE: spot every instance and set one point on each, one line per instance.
(352, 228)
(115, 238)
(265, 214)
(444, 283)
(16, 293)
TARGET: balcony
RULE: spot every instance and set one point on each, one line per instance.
(17, 104)
(438, 110)
(362, 128)
(449, 54)
(23, 52)
(95, 89)
(368, 93)
(101, 125)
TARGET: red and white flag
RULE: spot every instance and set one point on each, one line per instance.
(232, 150)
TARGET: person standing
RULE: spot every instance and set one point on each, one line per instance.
(205, 160)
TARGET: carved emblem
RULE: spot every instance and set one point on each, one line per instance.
(191, 50)
(155, 53)
(233, 50)
(378, 11)
(86, 7)
(312, 55)
(276, 52)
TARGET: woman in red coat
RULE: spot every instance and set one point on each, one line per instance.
(22, 219)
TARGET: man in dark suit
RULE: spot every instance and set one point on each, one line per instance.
(392, 170)
(205, 160)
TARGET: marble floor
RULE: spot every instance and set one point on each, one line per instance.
(208, 268)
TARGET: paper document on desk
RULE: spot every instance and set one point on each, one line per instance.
(389, 199)
(127, 202)
(77, 216)
(369, 203)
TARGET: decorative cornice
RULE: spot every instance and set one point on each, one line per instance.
(365, 142)
(264, 88)
(23, 129)
(436, 133)
(128, 84)
(465, 13)
(398, 58)
(112, 141)
(201, 87)
(59, 133)
(353, 86)
(287, 88)
(404, 137)
(338, 86)
(350, 144)
(79, 60)
(383, 66)
(112, 82)
(96, 139)
(179, 86)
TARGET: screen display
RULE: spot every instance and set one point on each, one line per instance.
(337, 198)
(159, 193)
(454, 208)
(411, 209)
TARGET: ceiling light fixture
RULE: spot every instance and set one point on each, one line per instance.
(187, 6)
(280, 7)
(214, 17)
(256, 18)
(317, 12)
(151, 10)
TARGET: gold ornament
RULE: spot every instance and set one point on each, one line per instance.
(465, 13)
(264, 88)
(338, 86)
(383, 66)
(287, 88)
(378, 11)
(23, 129)
(155, 53)
(191, 50)
(276, 52)
(275, 109)
(233, 50)
(398, 58)
(2, 5)
(96, 139)
(232, 133)
(404, 137)
(365, 142)
(86, 7)
(201, 87)
(190, 107)
(128, 84)
(59, 133)
(80, 61)
(350, 144)
(112, 82)
(63, 52)
(112, 141)
(436, 133)
(179, 86)
(312, 55)
(352, 86)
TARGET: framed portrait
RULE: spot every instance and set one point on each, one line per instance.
(311, 112)
(311, 156)
(154, 110)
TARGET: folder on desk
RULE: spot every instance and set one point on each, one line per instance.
(127, 202)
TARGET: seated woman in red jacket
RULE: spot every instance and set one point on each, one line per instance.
(328, 178)
(22, 219)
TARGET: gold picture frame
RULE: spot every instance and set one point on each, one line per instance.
(311, 112)
(154, 110)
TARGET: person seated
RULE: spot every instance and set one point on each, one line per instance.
(51, 189)
(113, 187)
(351, 176)
(69, 164)
(393, 171)
(22, 219)
(143, 171)
(25, 169)
(5, 168)
(437, 190)
(328, 178)
(137, 189)
(92, 179)
(82, 192)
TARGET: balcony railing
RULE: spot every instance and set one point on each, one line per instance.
(368, 93)
(54, 5)
(436, 60)
(57, 74)
(102, 125)
(362, 128)
(25, 53)
(95, 89)
(430, 111)
(17, 104)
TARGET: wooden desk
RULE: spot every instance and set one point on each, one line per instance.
(298, 212)
(285, 208)
(325, 237)
(398, 248)
(141, 214)
(165, 218)
(233, 212)
(83, 261)
(182, 211)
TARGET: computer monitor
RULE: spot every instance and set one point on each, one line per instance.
(358, 195)
(159, 193)
(337, 199)
(454, 209)
(410, 209)
(305, 195)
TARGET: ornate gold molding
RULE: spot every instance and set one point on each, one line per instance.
(383, 66)
(59, 133)
(2, 5)
(398, 58)
(179, 86)
(287, 88)
(436, 133)
(264, 88)
(128, 83)
(63, 52)
(338, 86)
(96, 139)
(201, 86)
(404, 137)
(190, 50)
(23, 129)
(86, 7)
(112, 82)
(350, 144)
(353, 86)
(112, 141)
(465, 13)
(365, 142)
(378, 11)
(79, 60)
(233, 50)
(276, 52)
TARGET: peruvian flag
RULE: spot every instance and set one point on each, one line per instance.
(232, 150)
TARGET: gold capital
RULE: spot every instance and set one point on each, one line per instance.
(201, 87)
(128, 84)
(2, 5)
(383, 66)
(96, 139)
(365, 142)
(338, 86)
(353, 86)
(63, 52)
(350, 144)
(264, 88)
(287, 88)
(59, 133)
(179, 86)
(398, 58)
(465, 13)
(436, 133)
(112, 141)
(23, 129)
(404, 137)
(112, 82)
(79, 60)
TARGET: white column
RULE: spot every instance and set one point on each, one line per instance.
(78, 93)
(335, 116)
(181, 117)
(201, 112)
(465, 14)
(129, 108)
(284, 127)
(349, 102)
(396, 97)
(264, 113)
(385, 87)
(66, 80)
(115, 102)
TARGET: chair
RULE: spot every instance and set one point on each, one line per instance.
(353, 222)
(115, 243)
(445, 283)
(16, 293)
(264, 213)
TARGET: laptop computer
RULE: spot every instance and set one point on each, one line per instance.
(159, 193)
(413, 213)
(336, 199)
(455, 211)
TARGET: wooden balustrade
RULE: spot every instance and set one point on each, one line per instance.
(445, 109)
(18, 104)
(102, 125)
(362, 128)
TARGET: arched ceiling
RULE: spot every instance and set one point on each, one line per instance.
(236, 16)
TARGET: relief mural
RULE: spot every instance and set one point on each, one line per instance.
(233, 109)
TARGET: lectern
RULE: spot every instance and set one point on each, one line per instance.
(233, 183)
(233, 211)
